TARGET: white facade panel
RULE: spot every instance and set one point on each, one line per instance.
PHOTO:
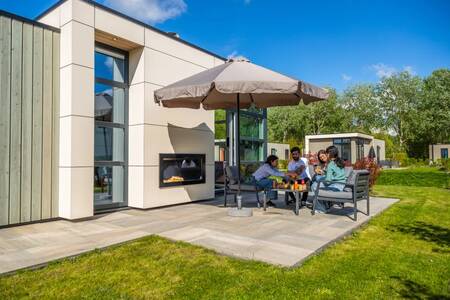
(159, 42)
(118, 26)
(163, 69)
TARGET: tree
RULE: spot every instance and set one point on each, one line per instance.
(399, 96)
(361, 103)
(327, 116)
(436, 106)
(290, 124)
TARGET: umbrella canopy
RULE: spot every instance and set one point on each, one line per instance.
(238, 84)
(218, 87)
(103, 104)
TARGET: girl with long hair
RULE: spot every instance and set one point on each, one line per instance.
(335, 177)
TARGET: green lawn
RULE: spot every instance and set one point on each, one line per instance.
(415, 176)
(405, 252)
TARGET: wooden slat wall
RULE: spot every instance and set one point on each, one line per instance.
(16, 122)
(29, 121)
(5, 107)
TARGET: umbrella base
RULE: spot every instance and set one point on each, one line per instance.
(243, 212)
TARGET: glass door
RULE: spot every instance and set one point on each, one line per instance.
(110, 152)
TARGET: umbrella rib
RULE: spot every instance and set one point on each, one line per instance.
(251, 98)
(210, 89)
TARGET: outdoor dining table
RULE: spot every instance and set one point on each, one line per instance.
(298, 194)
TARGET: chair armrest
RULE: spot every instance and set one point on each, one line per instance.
(332, 181)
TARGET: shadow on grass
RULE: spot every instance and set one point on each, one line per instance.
(413, 290)
(426, 232)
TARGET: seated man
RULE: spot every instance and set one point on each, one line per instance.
(297, 165)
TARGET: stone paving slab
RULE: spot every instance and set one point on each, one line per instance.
(276, 236)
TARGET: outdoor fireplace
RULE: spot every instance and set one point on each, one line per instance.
(181, 169)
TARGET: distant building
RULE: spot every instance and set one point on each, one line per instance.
(280, 150)
(438, 151)
(352, 146)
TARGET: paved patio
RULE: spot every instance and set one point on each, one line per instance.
(276, 236)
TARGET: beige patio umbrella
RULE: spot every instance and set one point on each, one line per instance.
(237, 84)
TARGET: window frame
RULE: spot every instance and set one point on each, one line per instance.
(109, 50)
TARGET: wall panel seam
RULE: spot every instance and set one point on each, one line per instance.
(171, 55)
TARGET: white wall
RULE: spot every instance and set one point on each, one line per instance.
(437, 150)
(381, 143)
(280, 150)
(156, 62)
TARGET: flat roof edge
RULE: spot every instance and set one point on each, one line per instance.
(117, 13)
(331, 135)
(26, 20)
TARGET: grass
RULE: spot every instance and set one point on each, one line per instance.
(415, 176)
(403, 253)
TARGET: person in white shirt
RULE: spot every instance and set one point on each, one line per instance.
(298, 166)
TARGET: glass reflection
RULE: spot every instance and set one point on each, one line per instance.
(108, 185)
(109, 103)
(109, 144)
(109, 67)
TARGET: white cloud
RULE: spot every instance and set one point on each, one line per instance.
(346, 77)
(232, 54)
(382, 70)
(410, 70)
(151, 11)
(109, 62)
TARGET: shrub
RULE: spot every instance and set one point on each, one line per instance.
(401, 157)
(369, 165)
(444, 164)
(282, 164)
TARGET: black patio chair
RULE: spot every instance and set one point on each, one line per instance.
(231, 185)
(355, 189)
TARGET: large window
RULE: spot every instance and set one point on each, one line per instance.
(444, 153)
(252, 137)
(110, 151)
(344, 147)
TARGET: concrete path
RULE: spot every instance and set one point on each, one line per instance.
(276, 236)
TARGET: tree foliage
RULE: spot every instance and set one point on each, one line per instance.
(408, 112)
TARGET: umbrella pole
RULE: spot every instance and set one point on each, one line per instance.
(238, 150)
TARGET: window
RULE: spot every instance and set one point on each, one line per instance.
(359, 149)
(252, 137)
(344, 147)
(444, 152)
(286, 154)
(273, 151)
(110, 137)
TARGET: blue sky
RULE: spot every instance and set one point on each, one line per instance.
(334, 43)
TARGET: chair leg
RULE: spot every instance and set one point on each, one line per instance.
(257, 199)
(355, 210)
(225, 197)
(265, 201)
(313, 211)
(368, 205)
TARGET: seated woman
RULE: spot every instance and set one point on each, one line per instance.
(321, 167)
(334, 172)
(262, 174)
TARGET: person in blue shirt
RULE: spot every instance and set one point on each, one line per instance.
(298, 166)
(262, 174)
(335, 173)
